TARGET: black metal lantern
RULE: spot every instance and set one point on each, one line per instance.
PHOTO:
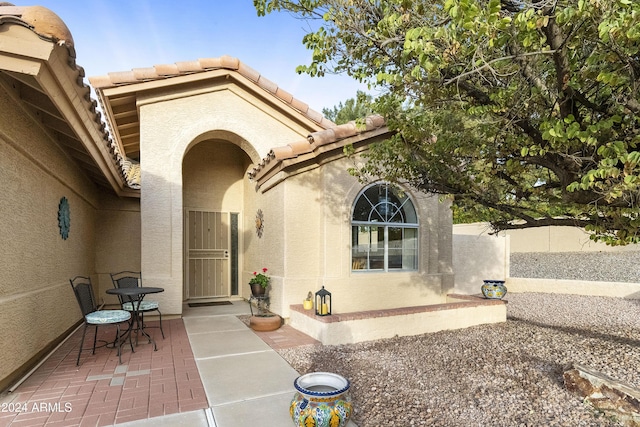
(323, 302)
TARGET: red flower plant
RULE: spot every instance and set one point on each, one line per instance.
(260, 278)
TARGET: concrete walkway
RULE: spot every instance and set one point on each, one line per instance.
(245, 380)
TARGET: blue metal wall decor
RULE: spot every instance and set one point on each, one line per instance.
(64, 220)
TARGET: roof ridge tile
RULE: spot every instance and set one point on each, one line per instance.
(281, 153)
(163, 70)
(189, 66)
(300, 147)
(145, 73)
(122, 76)
(230, 62)
(322, 137)
(208, 63)
(248, 72)
(267, 85)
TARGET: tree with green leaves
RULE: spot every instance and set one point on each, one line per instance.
(525, 112)
(352, 109)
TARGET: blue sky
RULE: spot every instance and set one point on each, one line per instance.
(118, 35)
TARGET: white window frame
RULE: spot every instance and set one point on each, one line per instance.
(384, 224)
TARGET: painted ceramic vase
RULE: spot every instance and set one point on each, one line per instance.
(321, 400)
(494, 289)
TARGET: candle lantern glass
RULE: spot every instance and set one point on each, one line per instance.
(323, 302)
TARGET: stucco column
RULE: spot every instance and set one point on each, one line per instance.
(161, 209)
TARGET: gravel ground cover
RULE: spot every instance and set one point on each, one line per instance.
(592, 266)
(508, 374)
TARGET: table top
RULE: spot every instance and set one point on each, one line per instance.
(140, 290)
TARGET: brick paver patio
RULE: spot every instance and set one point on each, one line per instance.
(101, 392)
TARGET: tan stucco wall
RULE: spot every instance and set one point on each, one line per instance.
(477, 258)
(544, 239)
(36, 301)
(117, 241)
(575, 287)
(170, 125)
(316, 245)
(213, 174)
(266, 251)
(382, 327)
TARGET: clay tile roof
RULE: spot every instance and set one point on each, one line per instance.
(101, 81)
(248, 72)
(144, 73)
(49, 26)
(230, 62)
(374, 122)
(122, 77)
(189, 66)
(161, 70)
(132, 173)
(41, 21)
(267, 84)
(301, 147)
(279, 153)
(211, 63)
(322, 137)
(346, 130)
(207, 64)
(284, 95)
(316, 140)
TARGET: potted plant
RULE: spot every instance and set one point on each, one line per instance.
(259, 283)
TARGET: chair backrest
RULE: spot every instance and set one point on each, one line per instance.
(83, 291)
(126, 279)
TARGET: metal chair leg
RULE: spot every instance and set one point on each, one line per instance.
(161, 330)
(119, 345)
(84, 332)
(95, 340)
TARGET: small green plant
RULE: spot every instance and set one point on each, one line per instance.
(261, 279)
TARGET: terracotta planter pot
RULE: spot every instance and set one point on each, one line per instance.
(265, 323)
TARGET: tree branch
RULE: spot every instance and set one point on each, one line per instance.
(541, 222)
(486, 65)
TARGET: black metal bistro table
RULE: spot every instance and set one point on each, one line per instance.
(135, 296)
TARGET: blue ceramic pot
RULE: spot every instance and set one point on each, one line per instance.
(494, 289)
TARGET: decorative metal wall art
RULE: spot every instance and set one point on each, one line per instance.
(259, 223)
(64, 219)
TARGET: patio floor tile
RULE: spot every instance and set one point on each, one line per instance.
(101, 391)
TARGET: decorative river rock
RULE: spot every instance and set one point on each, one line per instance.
(321, 400)
(494, 289)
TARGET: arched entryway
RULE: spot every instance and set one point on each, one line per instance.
(214, 188)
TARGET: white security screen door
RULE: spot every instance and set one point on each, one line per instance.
(208, 272)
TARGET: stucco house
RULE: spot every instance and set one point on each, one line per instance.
(197, 174)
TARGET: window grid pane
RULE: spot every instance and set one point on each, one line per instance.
(380, 242)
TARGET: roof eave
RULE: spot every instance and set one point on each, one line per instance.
(42, 57)
(277, 171)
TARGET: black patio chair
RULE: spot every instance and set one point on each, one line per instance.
(133, 279)
(94, 316)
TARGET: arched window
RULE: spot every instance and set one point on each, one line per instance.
(384, 230)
